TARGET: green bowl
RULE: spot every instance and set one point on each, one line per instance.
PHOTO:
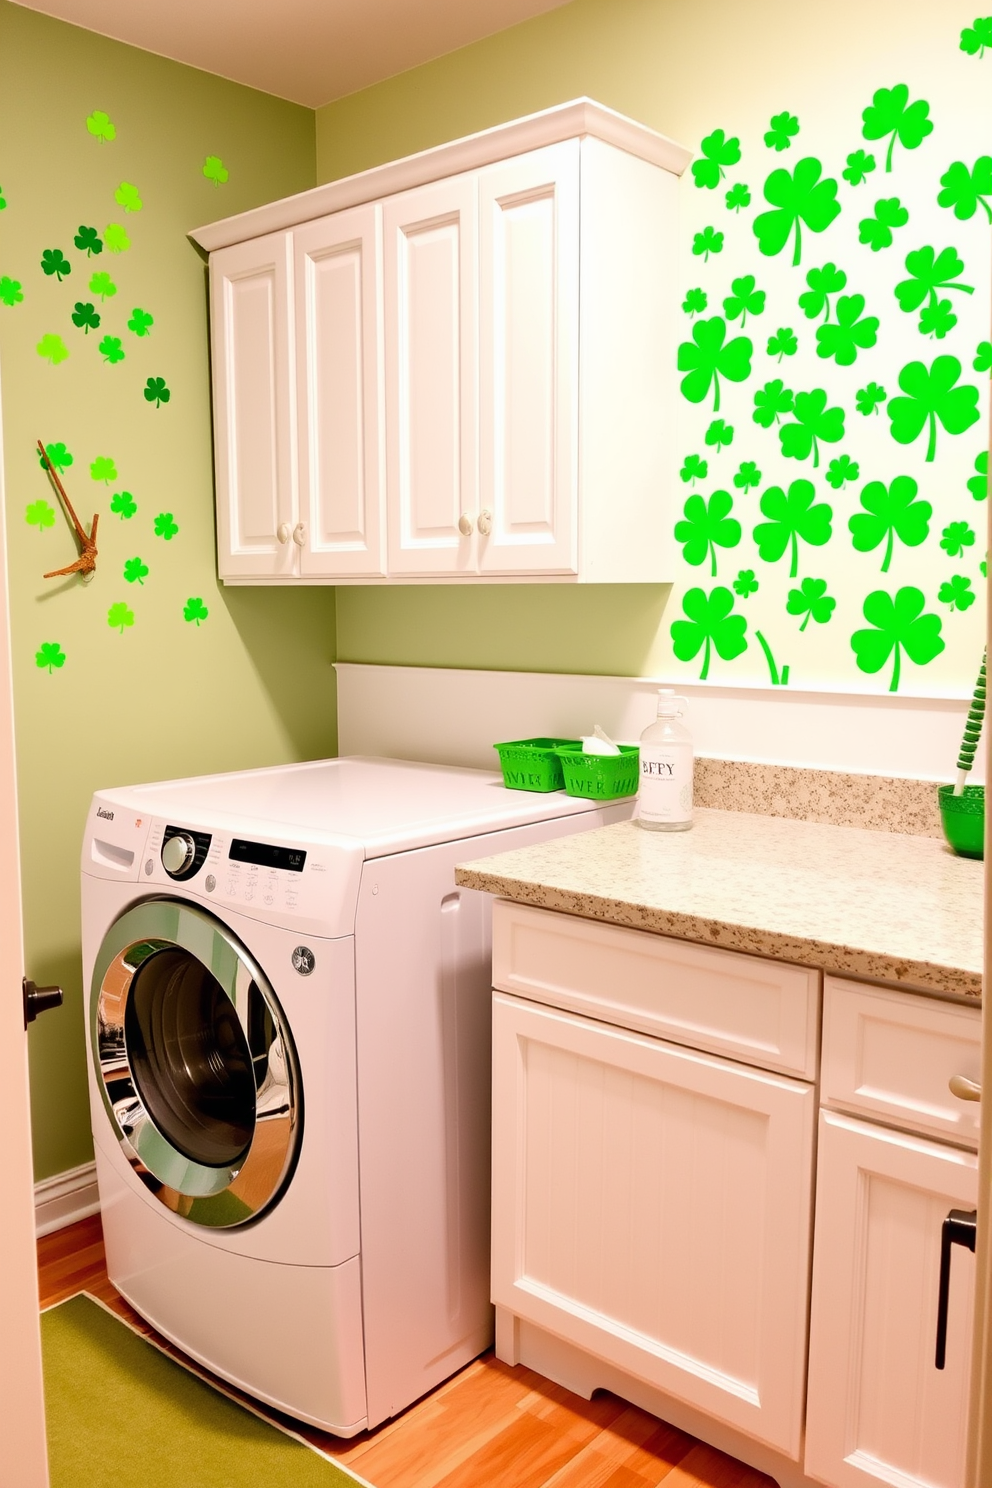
(964, 819)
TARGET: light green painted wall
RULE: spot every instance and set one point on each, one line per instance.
(252, 684)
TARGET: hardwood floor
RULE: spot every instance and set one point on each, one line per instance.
(490, 1424)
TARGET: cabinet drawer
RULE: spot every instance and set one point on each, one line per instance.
(892, 1054)
(760, 1012)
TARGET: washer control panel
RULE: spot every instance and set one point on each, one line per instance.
(184, 852)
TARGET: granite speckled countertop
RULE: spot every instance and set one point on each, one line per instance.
(878, 905)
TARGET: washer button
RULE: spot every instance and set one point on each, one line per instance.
(209, 883)
(149, 866)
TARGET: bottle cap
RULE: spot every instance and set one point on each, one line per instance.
(669, 703)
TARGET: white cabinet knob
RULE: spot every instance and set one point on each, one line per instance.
(964, 1088)
(485, 522)
(300, 534)
(465, 525)
(282, 532)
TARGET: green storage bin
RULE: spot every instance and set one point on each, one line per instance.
(532, 764)
(600, 777)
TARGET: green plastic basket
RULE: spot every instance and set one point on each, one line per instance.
(602, 777)
(963, 818)
(532, 764)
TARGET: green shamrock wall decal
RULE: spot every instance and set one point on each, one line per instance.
(852, 331)
(932, 395)
(822, 283)
(706, 242)
(814, 422)
(745, 583)
(891, 115)
(748, 476)
(966, 190)
(11, 292)
(100, 127)
(58, 457)
(976, 37)
(141, 322)
(86, 316)
(791, 518)
(54, 261)
(116, 238)
(868, 400)
(889, 514)
(744, 299)
(126, 196)
(52, 348)
(709, 356)
(717, 151)
(135, 571)
(695, 302)
(956, 592)
(39, 514)
(982, 362)
(812, 601)
(796, 198)
(214, 170)
(777, 678)
(119, 617)
(877, 231)
(936, 320)
(123, 505)
(50, 657)
(859, 167)
(707, 525)
(88, 241)
(783, 343)
(156, 391)
(111, 350)
(101, 284)
(3, 201)
(710, 623)
(782, 130)
(165, 526)
(719, 435)
(194, 610)
(772, 402)
(929, 272)
(738, 196)
(955, 538)
(694, 469)
(842, 470)
(978, 485)
(898, 625)
(103, 469)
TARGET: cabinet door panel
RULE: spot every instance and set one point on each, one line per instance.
(529, 347)
(338, 339)
(652, 1206)
(254, 396)
(879, 1411)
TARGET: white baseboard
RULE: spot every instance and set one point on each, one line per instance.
(64, 1198)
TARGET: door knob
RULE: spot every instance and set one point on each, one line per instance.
(38, 999)
(282, 532)
(485, 522)
(300, 534)
(964, 1088)
(465, 525)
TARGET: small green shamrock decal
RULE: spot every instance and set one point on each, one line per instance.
(11, 292)
(165, 526)
(50, 657)
(956, 592)
(57, 456)
(705, 526)
(937, 320)
(719, 434)
(214, 170)
(135, 571)
(976, 37)
(156, 391)
(116, 238)
(811, 600)
(111, 350)
(744, 299)
(738, 196)
(103, 469)
(782, 131)
(86, 317)
(126, 196)
(978, 485)
(898, 625)
(982, 362)
(708, 357)
(745, 583)
(39, 514)
(791, 517)
(771, 402)
(797, 198)
(853, 330)
(52, 349)
(123, 505)
(709, 623)
(100, 126)
(931, 395)
(869, 399)
(88, 241)
(706, 242)
(930, 272)
(54, 261)
(859, 167)
(195, 610)
(3, 201)
(814, 421)
(101, 284)
(966, 190)
(747, 476)
(822, 284)
(841, 470)
(889, 514)
(717, 151)
(694, 469)
(141, 323)
(890, 114)
(877, 231)
(984, 566)
(119, 617)
(783, 343)
(955, 537)
(695, 302)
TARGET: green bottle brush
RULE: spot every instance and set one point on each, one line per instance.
(962, 806)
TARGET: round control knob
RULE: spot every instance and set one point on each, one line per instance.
(178, 853)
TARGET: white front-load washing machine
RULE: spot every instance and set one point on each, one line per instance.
(288, 1034)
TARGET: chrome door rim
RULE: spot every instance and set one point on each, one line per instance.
(196, 1191)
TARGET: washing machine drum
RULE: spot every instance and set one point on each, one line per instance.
(195, 1064)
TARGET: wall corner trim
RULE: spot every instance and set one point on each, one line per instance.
(65, 1198)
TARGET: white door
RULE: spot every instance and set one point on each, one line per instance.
(651, 1205)
(254, 437)
(338, 275)
(22, 1407)
(879, 1410)
(431, 353)
(529, 362)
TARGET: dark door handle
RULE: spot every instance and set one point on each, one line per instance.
(39, 1000)
(959, 1228)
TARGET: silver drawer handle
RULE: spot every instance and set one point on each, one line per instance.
(964, 1088)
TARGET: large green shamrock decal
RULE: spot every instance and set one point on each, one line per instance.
(709, 356)
(123, 505)
(975, 38)
(707, 525)
(719, 435)
(982, 362)
(931, 395)
(859, 167)
(852, 331)
(141, 322)
(111, 350)
(782, 130)
(771, 402)
(116, 238)
(791, 517)
(956, 592)
(955, 538)
(215, 170)
(822, 284)
(195, 610)
(86, 317)
(898, 625)
(694, 469)
(101, 284)
(11, 292)
(50, 657)
(126, 196)
(978, 485)
(889, 514)
(39, 514)
(868, 400)
(100, 126)
(966, 190)
(842, 470)
(52, 348)
(165, 526)
(814, 421)
(88, 241)
(57, 456)
(135, 571)
(738, 196)
(103, 469)
(812, 600)
(718, 151)
(783, 343)
(54, 261)
(119, 617)
(929, 272)
(747, 476)
(891, 114)
(744, 299)
(877, 231)
(695, 301)
(797, 198)
(156, 391)
(706, 242)
(710, 622)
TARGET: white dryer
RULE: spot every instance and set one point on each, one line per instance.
(288, 1030)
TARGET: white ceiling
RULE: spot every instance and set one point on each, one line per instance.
(310, 51)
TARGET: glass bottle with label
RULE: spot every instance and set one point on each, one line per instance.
(664, 795)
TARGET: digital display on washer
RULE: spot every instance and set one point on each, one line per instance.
(267, 856)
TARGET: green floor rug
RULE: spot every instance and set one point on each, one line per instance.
(120, 1411)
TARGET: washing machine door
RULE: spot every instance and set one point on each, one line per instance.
(195, 1064)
